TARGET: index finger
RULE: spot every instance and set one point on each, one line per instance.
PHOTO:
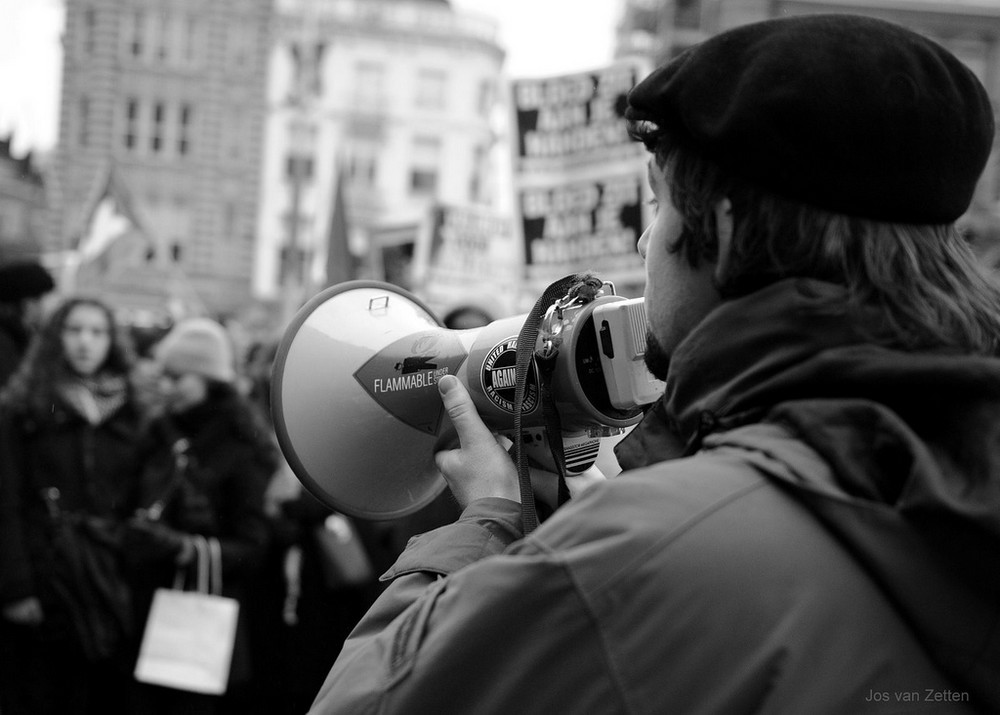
(471, 429)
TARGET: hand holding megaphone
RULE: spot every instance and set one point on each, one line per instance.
(358, 414)
(480, 467)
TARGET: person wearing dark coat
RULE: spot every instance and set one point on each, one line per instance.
(69, 453)
(216, 491)
(810, 520)
(22, 285)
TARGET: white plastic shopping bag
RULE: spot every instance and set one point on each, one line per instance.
(188, 640)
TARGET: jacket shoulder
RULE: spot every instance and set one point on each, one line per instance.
(705, 568)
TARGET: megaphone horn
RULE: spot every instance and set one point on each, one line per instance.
(355, 403)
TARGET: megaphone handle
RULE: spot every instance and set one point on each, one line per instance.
(580, 452)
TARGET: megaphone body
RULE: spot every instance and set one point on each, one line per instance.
(357, 411)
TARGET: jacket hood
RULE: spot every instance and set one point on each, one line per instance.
(912, 440)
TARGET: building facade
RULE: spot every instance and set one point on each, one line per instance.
(168, 95)
(391, 104)
(22, 205)
(661, 29)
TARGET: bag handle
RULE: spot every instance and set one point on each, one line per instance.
(214, 549)
(202, 558)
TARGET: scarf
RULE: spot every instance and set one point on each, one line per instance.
(94, 398)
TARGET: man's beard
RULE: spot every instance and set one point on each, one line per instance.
(656, 358)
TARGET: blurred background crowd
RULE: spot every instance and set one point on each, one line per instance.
(117, 447)
(214, 165)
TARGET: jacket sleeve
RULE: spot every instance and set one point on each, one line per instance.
(245, 531)
(467, 621)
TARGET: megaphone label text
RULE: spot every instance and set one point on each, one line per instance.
(408, 382)
(499, 378)
(403, 377)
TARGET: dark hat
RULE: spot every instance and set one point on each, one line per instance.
(23, 279)
(850, 114)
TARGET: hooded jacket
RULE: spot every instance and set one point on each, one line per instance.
(814, 527)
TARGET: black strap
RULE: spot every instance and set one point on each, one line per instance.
(585, 285)
(553, 425)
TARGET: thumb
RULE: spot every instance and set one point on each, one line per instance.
(462, 411)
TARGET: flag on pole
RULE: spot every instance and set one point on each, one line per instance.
(108, 215)
(339, 260)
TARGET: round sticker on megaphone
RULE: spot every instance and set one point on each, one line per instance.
(499, 376)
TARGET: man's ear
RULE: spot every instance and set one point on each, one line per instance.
(724, 233)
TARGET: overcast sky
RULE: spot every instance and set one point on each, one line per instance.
(542, 37)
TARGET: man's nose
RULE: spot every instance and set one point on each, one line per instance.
(642, 243)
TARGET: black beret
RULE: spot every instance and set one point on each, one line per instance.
(23, 279)
(846, 113)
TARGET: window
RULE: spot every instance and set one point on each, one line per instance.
(184, 130)
(475, 180)
(360, 163)
(162, 35)
(179, 227)
(687, 14)
(131, 124)
(397, 264)
(362, 168)
(426, 159)
(299, 167)
(156, 137)
(423, 182)
(89, 30)
(138, 33)
(83, 117)
(431, 88)
(291, 265)
(484, 101)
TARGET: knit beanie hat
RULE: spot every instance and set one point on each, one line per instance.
(24, 279)
(847, 113)
(200, 346)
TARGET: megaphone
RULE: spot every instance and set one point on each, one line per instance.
(357, 411)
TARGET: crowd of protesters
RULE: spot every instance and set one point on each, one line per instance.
(115, 454)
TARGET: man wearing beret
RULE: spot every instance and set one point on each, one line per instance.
(809, 519)
(22, 286)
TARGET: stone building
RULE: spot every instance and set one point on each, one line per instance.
(167, 96)
(389, 103)
(22, 205)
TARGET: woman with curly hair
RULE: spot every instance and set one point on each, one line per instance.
(69, 440)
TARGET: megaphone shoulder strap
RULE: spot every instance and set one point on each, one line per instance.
(575, 287)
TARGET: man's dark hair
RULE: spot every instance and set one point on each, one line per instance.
(923, 278)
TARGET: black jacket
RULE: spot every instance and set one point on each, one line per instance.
(94, 469)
